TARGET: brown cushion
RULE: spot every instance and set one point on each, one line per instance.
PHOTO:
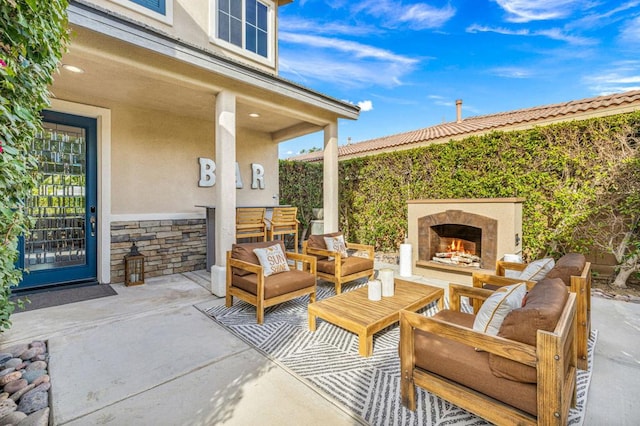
(466, 366)
(275, 285)
(350, 265)
(544, 305)
(568, 265)
(244, 252)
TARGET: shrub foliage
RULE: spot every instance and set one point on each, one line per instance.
(32, 37)
(563, 171)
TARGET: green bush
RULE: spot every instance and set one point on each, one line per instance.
(32, 37)
(560, 170)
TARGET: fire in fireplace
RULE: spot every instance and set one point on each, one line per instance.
(458, 245)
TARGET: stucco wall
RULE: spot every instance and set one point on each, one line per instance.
(186, 20)
(154, 163)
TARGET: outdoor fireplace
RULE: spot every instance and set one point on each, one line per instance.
(453, 238)
(457, 238)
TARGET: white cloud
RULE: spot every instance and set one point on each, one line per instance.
(360, 50)
(539, 10)
(365, 105)
(630, 33)
(417, 16)
(619, 77)
(552, 33)
(511, 72)
(307, 26)
(343, 62)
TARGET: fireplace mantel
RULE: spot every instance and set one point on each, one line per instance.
(500, 218)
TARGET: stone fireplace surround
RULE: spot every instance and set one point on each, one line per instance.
(498, 219)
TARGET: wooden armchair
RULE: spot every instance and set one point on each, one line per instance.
(284, 221)
(574, 271)
(250, 223)
(333, 266)
(246, 280)
(525, 375)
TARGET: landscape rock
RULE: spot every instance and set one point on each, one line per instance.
(15, 386)
(33, 401)
(16, 396)
(13, 418)
(31, 375)
(7, 371)
(10, 377)
(6, 407)
(42, 379)
(4, 357)
(39, 418)
(36, 365)
(29, 353)
(13, 363)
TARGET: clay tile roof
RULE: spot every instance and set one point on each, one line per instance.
(527, 117)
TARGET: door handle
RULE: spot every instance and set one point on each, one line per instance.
(92, 220)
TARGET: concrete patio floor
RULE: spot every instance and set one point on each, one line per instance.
(149, 356)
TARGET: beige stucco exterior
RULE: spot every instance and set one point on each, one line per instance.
(159, 90)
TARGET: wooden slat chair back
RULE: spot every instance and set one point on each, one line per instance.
(250, 223)
(284, 221)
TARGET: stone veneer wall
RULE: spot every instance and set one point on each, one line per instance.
(169, 246)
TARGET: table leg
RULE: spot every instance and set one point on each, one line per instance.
(441, 303)
(365, 344)
(312, 322)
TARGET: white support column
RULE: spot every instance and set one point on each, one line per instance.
(330, 185)
(225, 188)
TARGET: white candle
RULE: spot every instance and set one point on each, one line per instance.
(375, 290)
(386, 276)
(405, 260)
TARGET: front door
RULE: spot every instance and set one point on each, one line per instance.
(60, 247)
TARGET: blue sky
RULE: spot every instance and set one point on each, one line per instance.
(406, 62)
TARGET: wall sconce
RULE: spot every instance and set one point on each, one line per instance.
(517, 240)
(133, 267)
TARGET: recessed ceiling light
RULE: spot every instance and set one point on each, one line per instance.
(254, 115)
(73, 68)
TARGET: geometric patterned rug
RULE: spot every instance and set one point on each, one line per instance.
(328, 361)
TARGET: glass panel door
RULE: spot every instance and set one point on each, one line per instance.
(61, 245)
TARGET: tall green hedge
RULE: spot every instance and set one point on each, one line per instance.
(558, 169)
(32, 37)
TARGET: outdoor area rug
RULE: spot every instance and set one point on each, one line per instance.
(328, 360)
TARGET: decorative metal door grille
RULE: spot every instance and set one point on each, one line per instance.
(57, 238)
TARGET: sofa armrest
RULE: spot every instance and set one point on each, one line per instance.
(246, 266)
(511, 349)
(309, 263)
(502, 266)
(479, 280)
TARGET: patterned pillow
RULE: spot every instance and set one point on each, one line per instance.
(272, 260)
(336, 244)
(537, 270)
(497, 306)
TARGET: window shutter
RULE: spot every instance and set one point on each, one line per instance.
(155, 5)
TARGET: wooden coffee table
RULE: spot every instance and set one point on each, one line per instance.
(354, 311)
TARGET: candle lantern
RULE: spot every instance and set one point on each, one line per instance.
(133, 267)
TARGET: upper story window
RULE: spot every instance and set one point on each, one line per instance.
(160, 10)
(246, 24)
(158, 6)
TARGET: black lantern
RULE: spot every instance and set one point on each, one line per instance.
(133, 267)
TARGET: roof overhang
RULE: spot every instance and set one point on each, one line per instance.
(124, 60)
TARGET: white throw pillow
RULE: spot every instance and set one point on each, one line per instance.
(272, 260)
(336, 244)
(497, 306)
(537, 270)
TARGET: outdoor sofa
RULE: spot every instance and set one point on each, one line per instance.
(526, 374)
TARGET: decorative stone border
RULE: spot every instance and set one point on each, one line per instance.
(25, 384)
